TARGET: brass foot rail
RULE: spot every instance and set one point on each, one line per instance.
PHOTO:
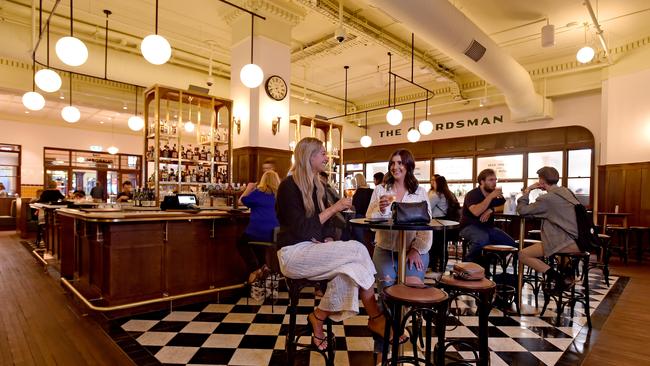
(40, 259)
(81, 297)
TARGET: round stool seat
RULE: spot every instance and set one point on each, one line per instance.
(500, 248)
(415, 295)
(482, 284)
(639, 228)
(574, 254)
(529, 242)
(534, 231)
(617, 228)
(603, 236)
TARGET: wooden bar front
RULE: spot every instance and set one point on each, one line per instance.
(123, 257)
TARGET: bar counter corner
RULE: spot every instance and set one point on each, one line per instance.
(118, 258)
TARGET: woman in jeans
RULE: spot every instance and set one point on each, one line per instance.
(400, 185)
(309, 251)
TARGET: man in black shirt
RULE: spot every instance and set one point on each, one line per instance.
(477, 222)
(97, 192)
(127, 192)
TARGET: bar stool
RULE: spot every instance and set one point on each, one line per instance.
(531, 277)
(483, 292)
(602, 258)
(535, 234)
(639, 232)
(428, 303)
(621, 244)
(569, 263)
(503, 255)
(295, 286)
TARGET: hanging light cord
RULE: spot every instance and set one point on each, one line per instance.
(252, 34)
(426, 108)
(366, 123)
(33, 75)
(70, 89)
(345, 107)
(414, 115)
(156, 16)
(107, 12)
(390, 69)
(136, 101)
(71, 18)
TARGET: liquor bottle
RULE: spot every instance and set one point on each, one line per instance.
(197, 153)
(183, 152)
(174, 128)
(172, 175)
(224, 157)
(174, 152)
(204, 155)
(193, 176)
(150, 153)
(164, 176)
(165, 151)
(199, 176)
(217, 155)
(189, 154)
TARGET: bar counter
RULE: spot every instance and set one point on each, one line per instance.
(124, 257)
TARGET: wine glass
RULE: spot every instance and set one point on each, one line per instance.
(390, 196)
(349, 187)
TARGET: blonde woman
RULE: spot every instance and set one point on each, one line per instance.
(309, 251)
(260, 199)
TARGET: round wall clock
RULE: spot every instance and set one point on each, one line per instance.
(276, 87)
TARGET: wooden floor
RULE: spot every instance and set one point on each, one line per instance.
(40, 326)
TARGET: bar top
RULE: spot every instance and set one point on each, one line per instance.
(150, 215)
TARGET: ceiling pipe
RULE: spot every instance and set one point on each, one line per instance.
(599, 31)
(445, 27)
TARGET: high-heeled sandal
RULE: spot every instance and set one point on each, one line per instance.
(376, 335)
(319, 342)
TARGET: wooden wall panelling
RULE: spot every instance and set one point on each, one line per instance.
(248, 162)
(187, 258)
(644, 207)
(458, 146)
(626, 185)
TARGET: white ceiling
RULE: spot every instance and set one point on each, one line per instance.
(513, 24)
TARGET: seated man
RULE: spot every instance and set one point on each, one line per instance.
(127, 192)
(559, 227)
(477, 221)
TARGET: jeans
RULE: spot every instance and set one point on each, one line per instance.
(386, 262)
(480, 236)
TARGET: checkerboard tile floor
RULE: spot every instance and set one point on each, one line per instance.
(247, 332)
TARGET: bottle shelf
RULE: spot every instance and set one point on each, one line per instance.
(174, 161)
(163, 137)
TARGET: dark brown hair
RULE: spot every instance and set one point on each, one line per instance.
(549, 174)
(484, 174)
(410, 182)
(443, 189)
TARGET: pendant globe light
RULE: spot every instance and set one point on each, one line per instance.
(112, 149)
(46, 79)
(189, 125)
(33, 100)
(426, 127)
(586, 53)
(413, 135)
(70, 113)
(366, 140)
(251, 75)
(154, 47)
(71, 50)
(394, 116)
(136, 123)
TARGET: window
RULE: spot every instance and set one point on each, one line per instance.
(10, 168)
(459, 174)
(579, 174)
(507, 167)
(540, 159)
(372, 168)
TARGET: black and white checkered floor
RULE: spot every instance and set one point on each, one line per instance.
(247, 332)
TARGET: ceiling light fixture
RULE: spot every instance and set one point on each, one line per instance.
(548, 35)
(251, 75)
(156, 48)
(46, 79)
(394, 116)
(70, 113)
(426, 127)
(413, 135)
(366, 140)
(189, 125)
(70, 50)
(586, 53)
(33, 100)
(112, 149)
(136, 123)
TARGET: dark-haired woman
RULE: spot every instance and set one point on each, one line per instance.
(443, 205)
(400, 185)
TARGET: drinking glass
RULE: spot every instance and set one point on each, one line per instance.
(390, 196)
(349, 187)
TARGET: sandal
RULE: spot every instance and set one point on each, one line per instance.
(402, 339)
(319, 342)
(259, 274)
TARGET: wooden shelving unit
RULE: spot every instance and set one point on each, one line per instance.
(166, 112)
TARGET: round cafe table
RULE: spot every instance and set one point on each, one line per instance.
(387, 224)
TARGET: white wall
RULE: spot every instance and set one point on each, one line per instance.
(34, 137)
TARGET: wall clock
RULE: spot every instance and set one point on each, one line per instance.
(276, 87)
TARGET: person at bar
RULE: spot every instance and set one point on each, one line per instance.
(51, 194)
(307, 249)
(559, 227)
(97, 192)
(360, 201)
(3, 190)
(268, 164)
(378, 178)
(127, 192)
(444, 205)
(400, 185)
(477, 221)
(260, 199)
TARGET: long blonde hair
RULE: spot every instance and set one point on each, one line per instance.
(361, 180)
(269, 182)
(304, 176)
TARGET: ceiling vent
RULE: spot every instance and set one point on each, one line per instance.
(475, 51)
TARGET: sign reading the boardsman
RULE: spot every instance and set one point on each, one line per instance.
(485, 122)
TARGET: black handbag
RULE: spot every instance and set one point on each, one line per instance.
(410, 213)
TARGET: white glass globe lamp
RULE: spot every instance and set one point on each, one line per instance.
(585, 54)
(425, 127)
(136, 123)
(47, 80)
(251, 75)
(413, 135)
(112, 150)
(70, 114)
(71, 51)
(155, 49)
(189, 126)
(33, 101)
(394, 117)
(366, 141)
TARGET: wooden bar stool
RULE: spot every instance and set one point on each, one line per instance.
(483, 292)
(428, 303)
(639, 234)
(620, 240)
(502, 255)
(295, 286)
(602, 258)
(531, 277)
(569, 263)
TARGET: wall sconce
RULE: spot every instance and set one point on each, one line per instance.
(275, 127)
(237, 122)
